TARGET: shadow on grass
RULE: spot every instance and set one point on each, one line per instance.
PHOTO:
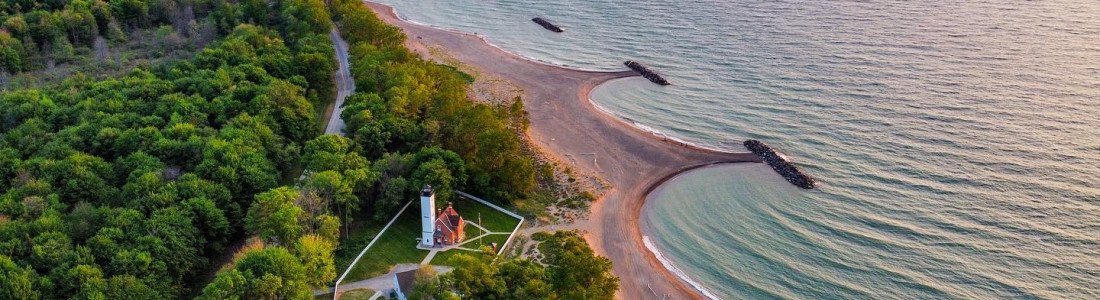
(396, 246)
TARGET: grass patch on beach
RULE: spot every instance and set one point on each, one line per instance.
(492, 219)
(465, 77)
(397, 245)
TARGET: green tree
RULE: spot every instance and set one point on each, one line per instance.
(525, 280)
(128, 287)
(575, 271)
(274, 272)
(317, 260)
(90, 282)
(275, 217)
(427, 285)
(11, 53)
(475, 279)
(16, 282)
(226, 285)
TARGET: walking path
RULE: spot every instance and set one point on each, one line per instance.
(383, 283)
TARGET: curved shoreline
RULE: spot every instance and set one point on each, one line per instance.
(631, 123)
(566, 125)
(392, 11)
(653, 248)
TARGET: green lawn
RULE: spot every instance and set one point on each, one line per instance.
(491, 219)
(397, 245)
(495, 238)
(356, 294)
(359, 237)
(498, 238)
(446, 258)
(473, 231)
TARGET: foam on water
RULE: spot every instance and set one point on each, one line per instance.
(672, 268)
(487, 41)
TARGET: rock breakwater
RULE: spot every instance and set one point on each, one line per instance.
(780, 164)
(546, 24)
(645, 72)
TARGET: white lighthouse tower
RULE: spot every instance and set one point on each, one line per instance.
(427, 216)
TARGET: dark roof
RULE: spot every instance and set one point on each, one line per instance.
(454, 220)
(405, 280)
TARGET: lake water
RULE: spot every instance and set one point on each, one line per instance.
(956, 143)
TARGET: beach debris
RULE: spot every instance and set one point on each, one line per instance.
(780, 164)
(546, 24)
(645, 72)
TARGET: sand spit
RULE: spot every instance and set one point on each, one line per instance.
(565, 124)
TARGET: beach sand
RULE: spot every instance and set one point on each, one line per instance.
(568, 127)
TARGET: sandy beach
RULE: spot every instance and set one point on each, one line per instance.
(568, 127)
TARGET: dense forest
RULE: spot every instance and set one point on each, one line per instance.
(127, 188)
(35, 35)
(405, 103)
(133, 187)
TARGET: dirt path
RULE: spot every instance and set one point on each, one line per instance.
(564, 123)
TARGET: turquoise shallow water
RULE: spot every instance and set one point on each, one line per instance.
(956, 143)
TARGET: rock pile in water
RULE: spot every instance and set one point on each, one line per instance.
(786, 168)
(652, 76)
(546, 24)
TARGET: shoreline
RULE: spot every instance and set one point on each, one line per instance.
(393, 12)
(566, 123)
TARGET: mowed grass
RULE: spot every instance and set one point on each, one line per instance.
(492, 219)
(359, 237)
(495, 238)
(356, 294)
(473, 231)
(488, 240)
(397, 245)
(446, 258)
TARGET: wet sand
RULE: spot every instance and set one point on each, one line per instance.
(568, 127)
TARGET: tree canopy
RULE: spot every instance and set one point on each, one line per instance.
(127, 187)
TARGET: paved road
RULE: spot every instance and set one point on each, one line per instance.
(345, 85)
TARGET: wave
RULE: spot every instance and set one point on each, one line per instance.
(632, 122)
(486, 40)
(676, 271)
(654, 131)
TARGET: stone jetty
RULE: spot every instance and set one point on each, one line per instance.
(546, 24)
(645, 72)
(785, 167)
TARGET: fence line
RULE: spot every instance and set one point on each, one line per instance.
(336, 287)
(514, 215)
(494, 206)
